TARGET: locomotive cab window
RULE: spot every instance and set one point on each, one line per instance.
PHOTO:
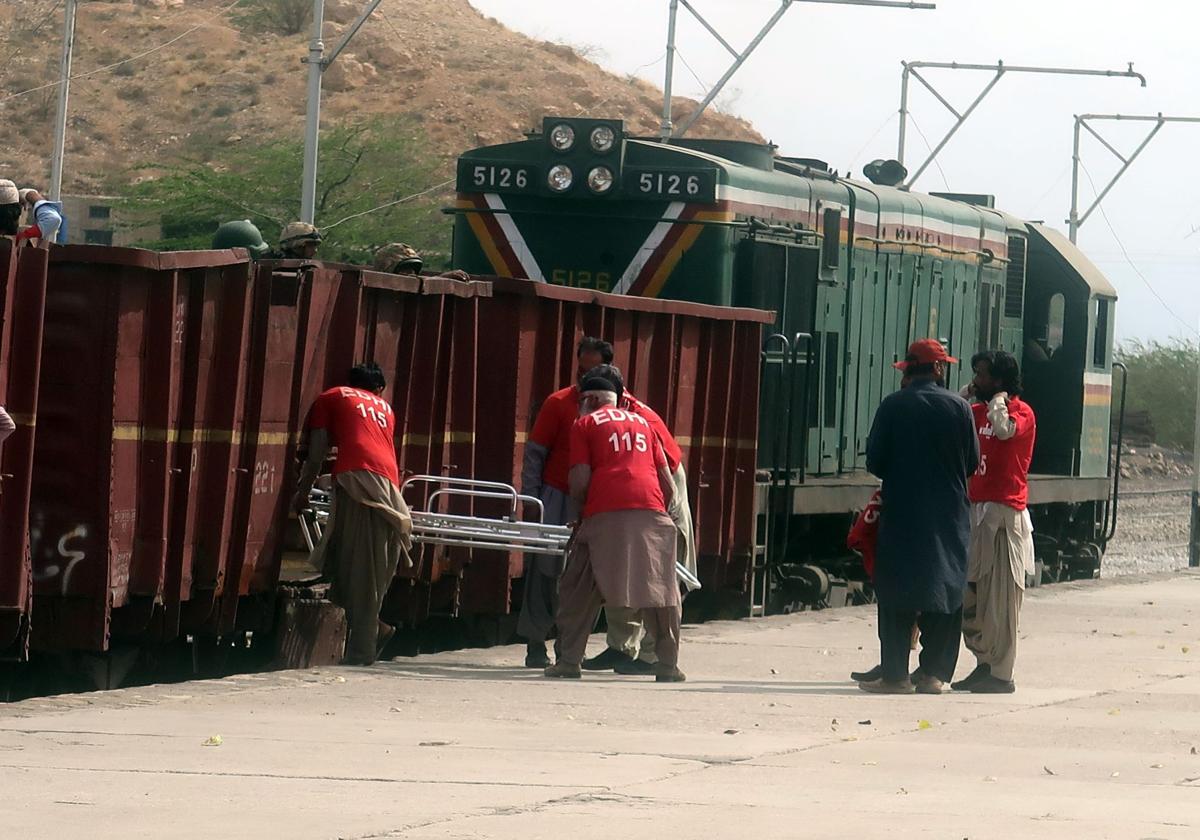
(1100, 338)
(831, 233)
(1055, 318)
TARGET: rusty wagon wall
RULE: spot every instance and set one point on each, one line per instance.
(173, 388)
(22, 292)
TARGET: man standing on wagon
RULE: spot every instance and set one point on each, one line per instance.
(623, 552)
(1001, 550)
(923, 446)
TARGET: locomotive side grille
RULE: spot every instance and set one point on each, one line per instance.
(1014, 291)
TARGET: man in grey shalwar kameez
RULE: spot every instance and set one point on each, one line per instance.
(544, 476)
(923, 446)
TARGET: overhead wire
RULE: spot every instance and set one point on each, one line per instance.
(703, 84)
(878, 131)
(925, 140)
(1129, 259)
(27, 37)
(1046, 194)
(97, 71)
(407, 198)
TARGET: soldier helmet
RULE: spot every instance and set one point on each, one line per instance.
(396, 257)
(294, 233)
(240, 234)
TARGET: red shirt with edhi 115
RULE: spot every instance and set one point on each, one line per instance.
(625, 455)
(362, 426)
(1003, 472)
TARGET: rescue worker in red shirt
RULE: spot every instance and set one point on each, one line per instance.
(1001, 548)
(544, 476)
(630, 648)
(623, 552)
(369, 529)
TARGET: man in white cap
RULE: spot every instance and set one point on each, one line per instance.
(10, 208)
(44, 215)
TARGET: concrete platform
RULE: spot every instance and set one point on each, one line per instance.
(767, 739)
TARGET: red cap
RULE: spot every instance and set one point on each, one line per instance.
(925, 352)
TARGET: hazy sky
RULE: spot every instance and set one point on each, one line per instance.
(825, 83)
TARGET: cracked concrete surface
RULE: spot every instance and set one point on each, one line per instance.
(767, 737)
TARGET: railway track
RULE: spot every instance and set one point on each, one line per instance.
(1152, 528)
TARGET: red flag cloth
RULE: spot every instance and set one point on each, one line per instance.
(864, 532)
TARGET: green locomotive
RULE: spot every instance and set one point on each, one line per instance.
(855, 271)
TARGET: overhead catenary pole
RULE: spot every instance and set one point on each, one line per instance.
(312, 115)
(666, 127)
(1075, 220)
(999, 69)
(1194, 533)
(739, 58)
(318, 63)
(64, 88)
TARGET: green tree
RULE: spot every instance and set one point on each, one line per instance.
(1162, 382)
(362, 167)
(286, 17)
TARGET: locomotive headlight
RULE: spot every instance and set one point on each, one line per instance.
(603, 139)
(600, 179)
(560, 177)
(562, 137)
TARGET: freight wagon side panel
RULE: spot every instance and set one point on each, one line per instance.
(211, 420)
(23, 291)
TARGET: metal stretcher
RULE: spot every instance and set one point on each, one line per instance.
(508, 532)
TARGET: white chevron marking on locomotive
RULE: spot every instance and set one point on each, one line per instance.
(657, 235)
(795, 203)
(515, 240)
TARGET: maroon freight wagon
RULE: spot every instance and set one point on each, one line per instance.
(173, 388)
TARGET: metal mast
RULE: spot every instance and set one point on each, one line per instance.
(911, 68)
(318, 63)
(667, 128)
(64, 89)
(1075, 221)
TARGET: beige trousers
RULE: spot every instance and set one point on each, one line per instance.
(992, 601)
(626, 630)
(366, 538)
(579, 602)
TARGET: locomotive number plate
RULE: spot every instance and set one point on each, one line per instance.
(685, 185)
(495, 177)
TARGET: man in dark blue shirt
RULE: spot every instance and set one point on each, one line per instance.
(923, 446)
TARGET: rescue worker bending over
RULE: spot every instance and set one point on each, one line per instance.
(369, 528)
(630, 648)
(623, 552)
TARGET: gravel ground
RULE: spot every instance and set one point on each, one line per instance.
(1152, 528)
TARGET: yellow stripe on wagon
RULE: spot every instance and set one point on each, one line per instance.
(135, 432)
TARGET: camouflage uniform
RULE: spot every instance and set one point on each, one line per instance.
(397, 258)
(293, 237)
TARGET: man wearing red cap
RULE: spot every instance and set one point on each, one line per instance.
(923, 446)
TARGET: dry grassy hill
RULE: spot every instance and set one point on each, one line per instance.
(465, 77)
